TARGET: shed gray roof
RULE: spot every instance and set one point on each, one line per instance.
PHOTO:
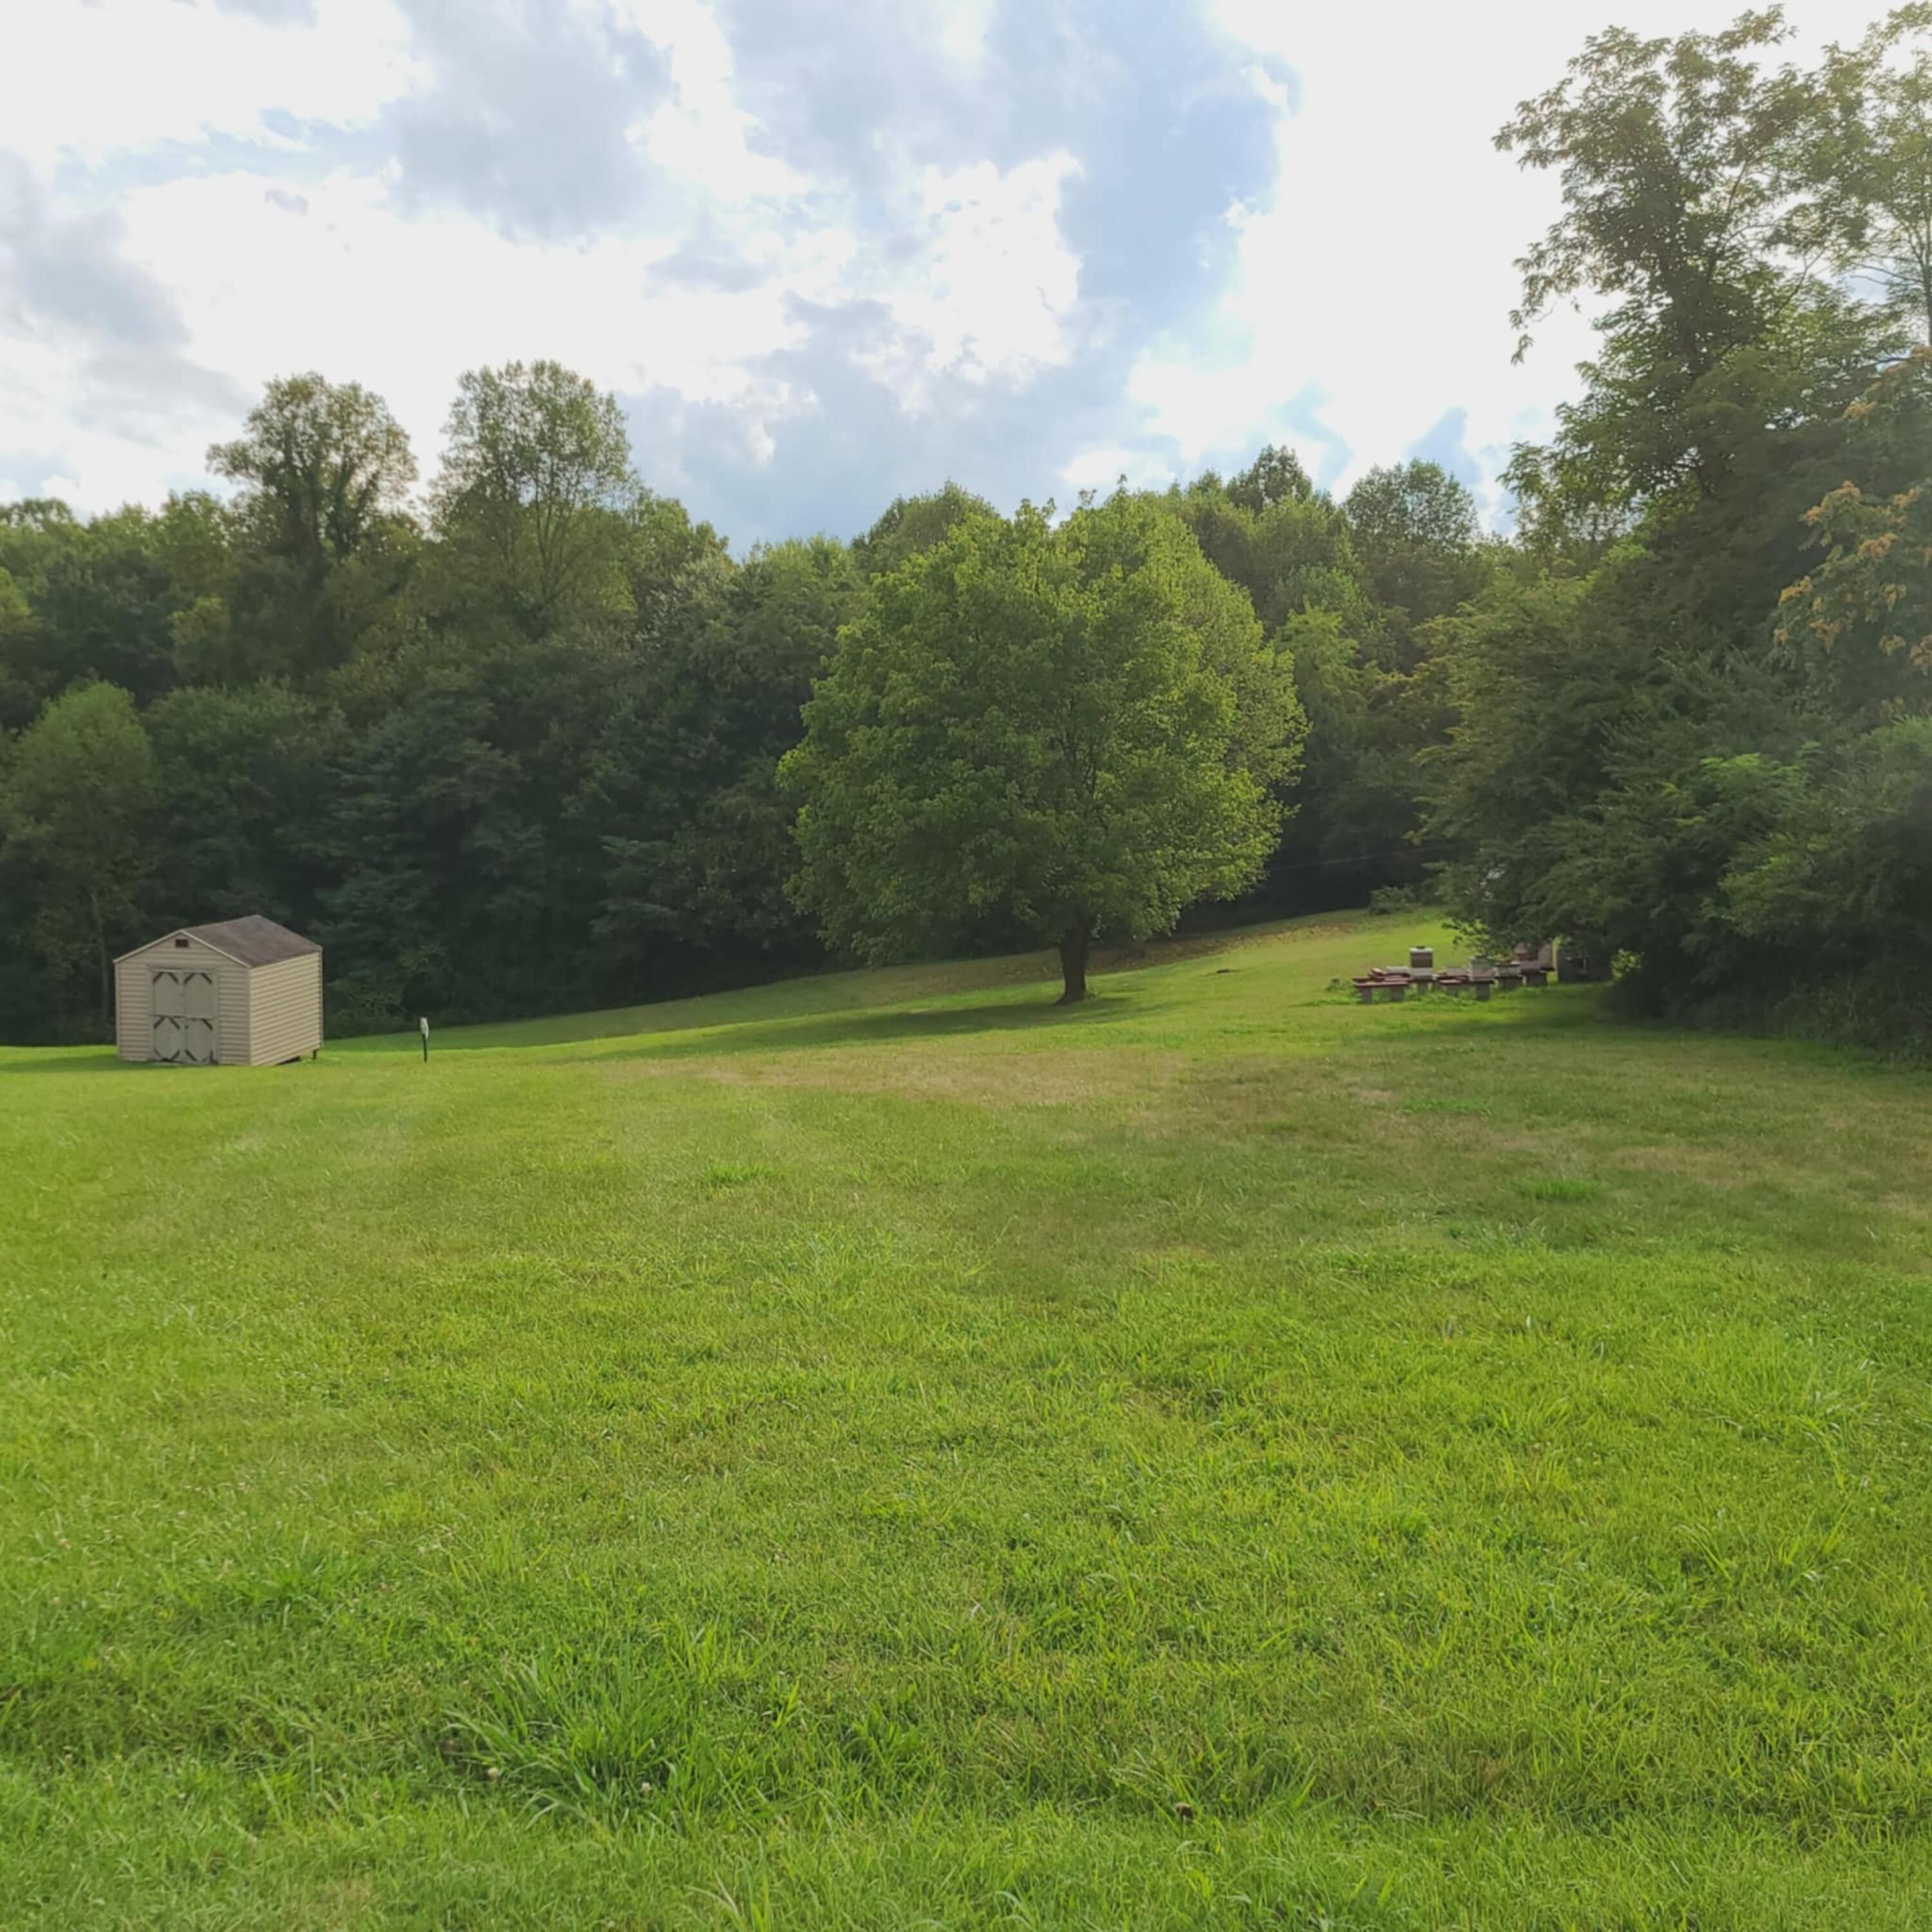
(255, 941)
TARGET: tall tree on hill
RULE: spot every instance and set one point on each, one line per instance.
(1681, 161)
(910, 525)
(537, 492)
(204, 544)
(1639, 756)
(1418, 542)
(324, 462)
(1422, 556)
(1287, 549)
(325, 470)
(1077, 730)
(1275, 476)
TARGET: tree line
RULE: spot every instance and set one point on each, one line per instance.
(534, 739)
(522, 751)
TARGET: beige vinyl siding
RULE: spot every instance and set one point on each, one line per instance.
(133, 1019)
(285, 1010)
(133, 1027)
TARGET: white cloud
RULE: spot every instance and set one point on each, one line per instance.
(1101, 468)
(62, 449)
(996, 282)
(1370, 292)
(963, 26)
(120, 76)
(1375, 287)
(703, 136)
(355, 289)
(273, 273)
(340, 280)
(42, 393)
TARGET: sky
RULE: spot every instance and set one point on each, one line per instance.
(825, 252)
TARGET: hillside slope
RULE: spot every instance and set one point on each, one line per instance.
(888, 1449)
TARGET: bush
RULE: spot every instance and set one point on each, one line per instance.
(1386, 900)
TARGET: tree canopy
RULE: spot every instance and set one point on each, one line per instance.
(536, 490)
(77, 792)
(1705, 751)
(1072, 730)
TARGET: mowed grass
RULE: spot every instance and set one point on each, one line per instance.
(887, 1451)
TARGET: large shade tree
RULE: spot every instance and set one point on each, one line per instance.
(1077, 731)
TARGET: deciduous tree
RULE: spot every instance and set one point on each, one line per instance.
(1074, 729)
(325, 470)
(80, 787)
(536, 490)
(321, 463)
(1418, 540)
(1866, 199)
(1680, 161)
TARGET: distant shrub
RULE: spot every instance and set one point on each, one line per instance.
(356, 1007)
(1883, 1014)
(1386, 900)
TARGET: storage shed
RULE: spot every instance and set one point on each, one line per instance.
(244, 993)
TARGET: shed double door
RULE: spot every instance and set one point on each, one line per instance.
(183, 1001)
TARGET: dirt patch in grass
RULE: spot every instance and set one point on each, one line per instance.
(1162, 1091)
(1068, 1078)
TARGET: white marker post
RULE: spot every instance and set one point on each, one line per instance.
(424, 1025)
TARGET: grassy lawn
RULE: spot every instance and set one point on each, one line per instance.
(885, 1451)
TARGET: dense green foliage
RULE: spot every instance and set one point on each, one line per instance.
(887, 1450)
(1693, 727)
(522, 754)
(515, 747)
(1073, 733)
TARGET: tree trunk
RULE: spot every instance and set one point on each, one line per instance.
(1073, 965)
(106, 964)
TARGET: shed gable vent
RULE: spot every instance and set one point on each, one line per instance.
(182, 943)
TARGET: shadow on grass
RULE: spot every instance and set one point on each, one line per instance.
(842, 991)
(71, 1059)
(872, 1029)
(1541, 1009)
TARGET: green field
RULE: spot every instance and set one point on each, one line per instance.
(886, 1450)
